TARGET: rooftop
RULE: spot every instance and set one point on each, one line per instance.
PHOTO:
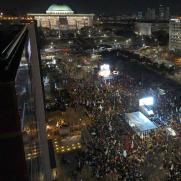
(59, 9)
(139, 122)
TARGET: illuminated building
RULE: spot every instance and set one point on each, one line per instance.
(62, 17)
(142, 28)
(175, 34)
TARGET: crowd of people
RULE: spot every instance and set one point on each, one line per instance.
(111, 148)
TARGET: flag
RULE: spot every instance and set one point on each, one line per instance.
(101, 108)
(172, 167)
(132, 144)
(110, 127)
(176, 110)
(125, 153)
(106, 151)
(180, 109)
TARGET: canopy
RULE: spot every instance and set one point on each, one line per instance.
(139, 122)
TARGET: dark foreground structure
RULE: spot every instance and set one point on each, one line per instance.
(24, 153)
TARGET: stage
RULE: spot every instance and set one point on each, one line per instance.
(139, 123)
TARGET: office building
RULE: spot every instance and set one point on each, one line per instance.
(62, 17)
(175, 34)
(140, 15)
(164, 12)
(142, 28)
(150, 14)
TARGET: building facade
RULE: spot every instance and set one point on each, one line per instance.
(164, 12)
(140, 15)
(150, 14)
(142, 28)
(175, 34)
(61, 17)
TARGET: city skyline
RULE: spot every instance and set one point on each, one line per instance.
(116, 7)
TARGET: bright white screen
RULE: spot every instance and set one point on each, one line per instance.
(105, 70)
(105, 67)
(148, 101)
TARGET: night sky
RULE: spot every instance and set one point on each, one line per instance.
(89, 6)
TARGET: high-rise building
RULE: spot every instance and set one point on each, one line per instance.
(175, 34)
(62, 17)
(140, 15)
(164, 12)
(150, 14)
(24, 146)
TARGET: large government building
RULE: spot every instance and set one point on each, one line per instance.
(62, 17)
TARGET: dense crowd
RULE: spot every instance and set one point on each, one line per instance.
(112, 149)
